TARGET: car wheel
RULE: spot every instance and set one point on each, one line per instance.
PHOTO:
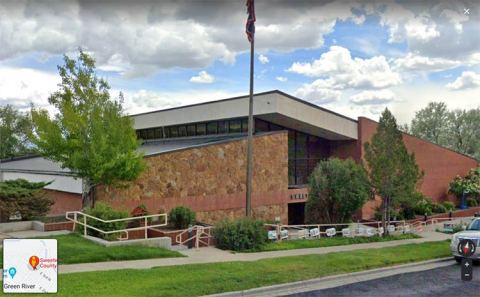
(458, 259)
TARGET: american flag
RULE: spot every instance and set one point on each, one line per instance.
(250, 27)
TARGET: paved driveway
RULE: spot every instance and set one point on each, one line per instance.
(437, 282)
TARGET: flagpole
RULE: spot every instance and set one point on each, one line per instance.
(248, 206)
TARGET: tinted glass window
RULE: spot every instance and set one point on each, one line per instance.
(174, 131)
(222, 127)
(158, 133)
(201, 129)
(245, 125)
(182, 131)
(191, 130)
(235, 126)
(150, 134)
(212, 128)
(167, 132)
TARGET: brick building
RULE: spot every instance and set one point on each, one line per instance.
(195, 157)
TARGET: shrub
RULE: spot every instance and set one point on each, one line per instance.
(439, 208)
(338, 188)
(181, 217)
(423, 207)
(408, 213)
(472, 202)
(105, 212)
(240, 235)
(25, 198)
(448, 205)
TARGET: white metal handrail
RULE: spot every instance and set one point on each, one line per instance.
(201, 234)
(86, 226)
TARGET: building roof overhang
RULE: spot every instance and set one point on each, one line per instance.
(274, 106)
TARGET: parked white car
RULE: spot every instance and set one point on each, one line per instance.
(472, 232)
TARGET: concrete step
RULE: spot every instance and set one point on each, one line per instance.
(179, 247)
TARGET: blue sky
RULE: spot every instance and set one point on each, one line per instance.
(355, 58)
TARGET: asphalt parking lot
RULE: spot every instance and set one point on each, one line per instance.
(444, 281)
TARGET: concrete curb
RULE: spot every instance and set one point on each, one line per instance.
(338, 280)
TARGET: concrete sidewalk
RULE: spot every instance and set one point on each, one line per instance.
(337, 280)
(212, 255)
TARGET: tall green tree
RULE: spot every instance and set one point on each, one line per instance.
(456, 129)
(337, 189)
(464, 132)
(90, 134)
(431, 123)
(14, 129)
(393, 171)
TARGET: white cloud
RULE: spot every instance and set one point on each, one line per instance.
(144, 100)
(318, 92)
(467, 80)
(202, 78)
(421, 28)
(263, 59)
(375, 97)
(345, 72)
(140, 38)
(22, 86)
(281, 78)
(416, 62)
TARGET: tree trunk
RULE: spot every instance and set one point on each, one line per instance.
(384, 216)
(388, 214)
(88, 191)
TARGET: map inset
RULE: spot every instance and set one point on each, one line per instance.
(30, 266)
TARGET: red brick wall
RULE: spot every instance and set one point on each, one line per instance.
(58, 226)
(440, 165)
(345, 149)
(64, 202)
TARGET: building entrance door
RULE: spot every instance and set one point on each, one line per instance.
(296, 213)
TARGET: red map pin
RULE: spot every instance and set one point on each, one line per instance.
(34, 261)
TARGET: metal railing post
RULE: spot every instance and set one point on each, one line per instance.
(146, 233)
(197, 241)
(84, 225)
(74, 220)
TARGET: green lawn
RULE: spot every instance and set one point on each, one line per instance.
(73, 248)
(202, 279)
(324, 242)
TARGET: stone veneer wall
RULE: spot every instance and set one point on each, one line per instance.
(211, 180)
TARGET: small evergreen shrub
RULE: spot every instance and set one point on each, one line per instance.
(181, 217)
(25, 198)
(408, 213)
(472, 202)
(448, 205)
(105, 212)
(240, 235)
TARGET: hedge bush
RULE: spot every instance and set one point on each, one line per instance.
(472, 202)
(439, 208)
(181, 217)
(448, 205)
(240, 235)
(423, 207)
(105, 212)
